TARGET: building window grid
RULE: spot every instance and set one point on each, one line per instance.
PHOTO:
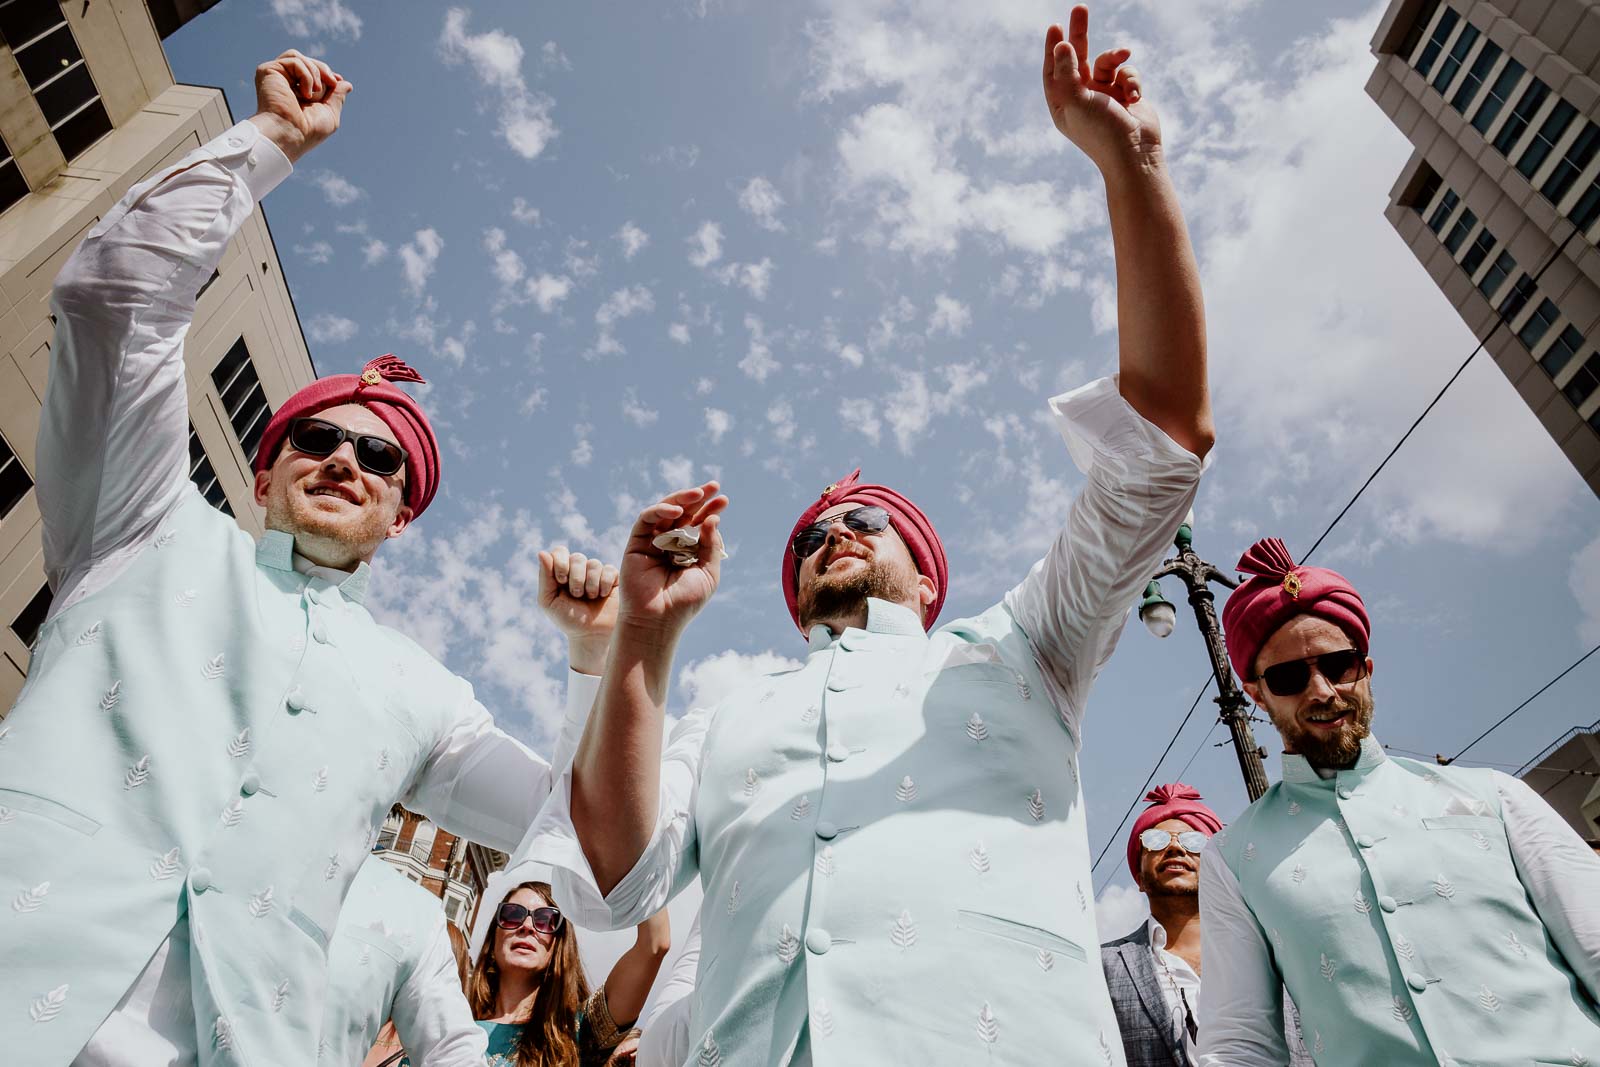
(1527, 108)
(1543, 142)
(243, 398)
(1442, 212)
(31, 618)
(1437, 37)
(53, 66)
(1456, 57)
(14, 479)
(1538, 325)
(1496, 275)
(13, 186)
(1584, 381)
(1561, 351)
(1501, 90)
(1477, 73)
(1478, 251)
(1519, 296)
(1458, 232)
(204, 475)
(1576, 159)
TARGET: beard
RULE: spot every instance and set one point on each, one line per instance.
(1340, 748)
(832, 596)
(297, 514)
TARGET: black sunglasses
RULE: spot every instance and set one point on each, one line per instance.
(1339, 668)
(869, 519)
(546, 920)
(317, 437)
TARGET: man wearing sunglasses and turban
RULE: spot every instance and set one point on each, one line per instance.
(1417, 914)
(213, 727)
(891, 838)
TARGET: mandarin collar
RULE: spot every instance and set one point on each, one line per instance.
(1298, 769)
(275, 550)
(883, 618)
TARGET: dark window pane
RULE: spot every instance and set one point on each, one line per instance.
(1497, 273)
(1446, 205)
(1594, 421)
(66, 94)
(1475, 76)
(1538, 324)
(1587, 209)
(1522, 113)
(1459, 231)
(48, 56)
(1452, 62)
(1550, 131)
(246, 403)
(23, 20)
(14, 480)
(236, 359)
(1583, 382)
(1517, 299)
(82, 130)
(26, 625)
(1478, 252)
(1441, 33)
(1504, 84)
(1418, 27)
(1573, 161)
(1426, 192)
(1561, 351)
(13, 186)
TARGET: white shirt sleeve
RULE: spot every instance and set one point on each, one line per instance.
(430, 1012)
(113, 433)
(1140, 484)
(1241, 993)
(1561, 875)
(581, 691)
(669, 862)
(666, 1020)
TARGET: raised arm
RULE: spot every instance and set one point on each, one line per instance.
(1160, 314)
(634, 973)
(113, 434)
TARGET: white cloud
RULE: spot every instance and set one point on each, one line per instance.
(508, 266)
(548, 290)
(950, 316)
(633, 239)
(676, 472)
(311, 18)
(583, 451)
(338, 189)
(1119, 910)
(625, 303)
(554, 57)
(679, 332)
(851, 355)
(758, 362)
(705, 247)
(753, 278)
(418, 258)
(718, 423)
(454, 347)
(636, 412)
(525, 121)
(762, 201)
(374, 252)
(330, 329)
(705, 682)
(780, 416)
(1584, 580)
(912, 407)
(317, 252)
(524, 212)
(860, 415)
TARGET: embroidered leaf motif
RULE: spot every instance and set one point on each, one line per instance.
(112, 697)
(788, 945)
(906, 792)
(822, 1018)
(240, 746)
(1479, 840)
(825, 865)
(904, 931)
(1024, 690)
(1487, 1000)
(366, 956)
(1083, 901)
(752, 783)
(1036, 805)
(1249, 851)
(1399, 811)
(733, 899)
(1401, 1010)
(988, 1026)
(383, 759)
(5, 732)
(319, 781)
(902, 690)
(1363, 905)
(91, 635)
(185, 598)
(1045, 959)
(214, 668)
(48, 1005)
(233, 812)
(1317, 1046)
(1404, 948)
(1516, 944)
(801, 809)
(1578, 1059)
(1294, 807)
(1299, 873)
(138, 774)
(1105, 1050)
(1327, 967)
(977, 729)
(331, 871)
(6, 815)
(979, 858)
(811, 714)
(31, 899)
(165, 867)
(280, 994)
(1443, 888)
(261, 904)
(222, 1034)
(710, 1054)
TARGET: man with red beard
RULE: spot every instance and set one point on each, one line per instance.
(1417, 914)
(891, 838)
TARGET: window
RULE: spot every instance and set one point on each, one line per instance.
(422, 840)
(1475, 77)
(1426, 191)
(204, 476)
(1538, 324)
(1452, 62)
(1561, 351)
(1584, 381)
(1496, 275)
(1517, 298)
(1459, 231)
(1527, 106)
(1441, 33)
(1579, 154)
(13, 186)
(26, 625)
(1478, 252)
(1587, 209)
(45, 50)
(1447, 204)
(1504, 85)
(14, 480)
(388, 833)
(242, 397)
(452, 909)
(1418, 27)
(1550, 132)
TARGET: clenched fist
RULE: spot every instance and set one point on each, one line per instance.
(298, 102)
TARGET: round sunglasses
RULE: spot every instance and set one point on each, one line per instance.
(1189, 840)
(318, 437)
(1290, 679)
(546, 920)
(869, 519)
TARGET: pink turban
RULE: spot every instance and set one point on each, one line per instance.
(927, 551)
(394, 406)
(1275, 592)
(1175, 801)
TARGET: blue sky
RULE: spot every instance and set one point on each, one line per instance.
(633, 246)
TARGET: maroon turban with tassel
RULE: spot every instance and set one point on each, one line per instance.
(1275, 592)
(1175, 801)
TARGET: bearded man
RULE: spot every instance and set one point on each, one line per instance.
(1417, 914)
(213, 728)
(891, 838)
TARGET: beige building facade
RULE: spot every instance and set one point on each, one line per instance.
(1500, 200)
(88, 108)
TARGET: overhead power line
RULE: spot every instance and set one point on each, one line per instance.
(1536, 695)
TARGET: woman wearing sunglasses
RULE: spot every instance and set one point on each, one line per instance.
(529, 992)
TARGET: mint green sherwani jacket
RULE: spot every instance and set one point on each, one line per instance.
(207, 738)
(891, 837)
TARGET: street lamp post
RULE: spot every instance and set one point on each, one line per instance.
(1160, 616)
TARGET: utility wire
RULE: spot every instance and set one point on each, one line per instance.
(1537, 693)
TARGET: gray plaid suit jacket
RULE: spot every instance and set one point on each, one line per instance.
(1151, 1034)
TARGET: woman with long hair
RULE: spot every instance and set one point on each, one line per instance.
(529, 992)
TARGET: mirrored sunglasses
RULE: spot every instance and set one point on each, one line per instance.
(318, 437)
(870, 519)
(546, 920)
(1339, 668)
(1189, 840)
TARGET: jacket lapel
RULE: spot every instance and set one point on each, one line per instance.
(1139, 959)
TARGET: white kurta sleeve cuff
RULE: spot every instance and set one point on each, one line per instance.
(1098, 424)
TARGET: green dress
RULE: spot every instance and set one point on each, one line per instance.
(596, 1032)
